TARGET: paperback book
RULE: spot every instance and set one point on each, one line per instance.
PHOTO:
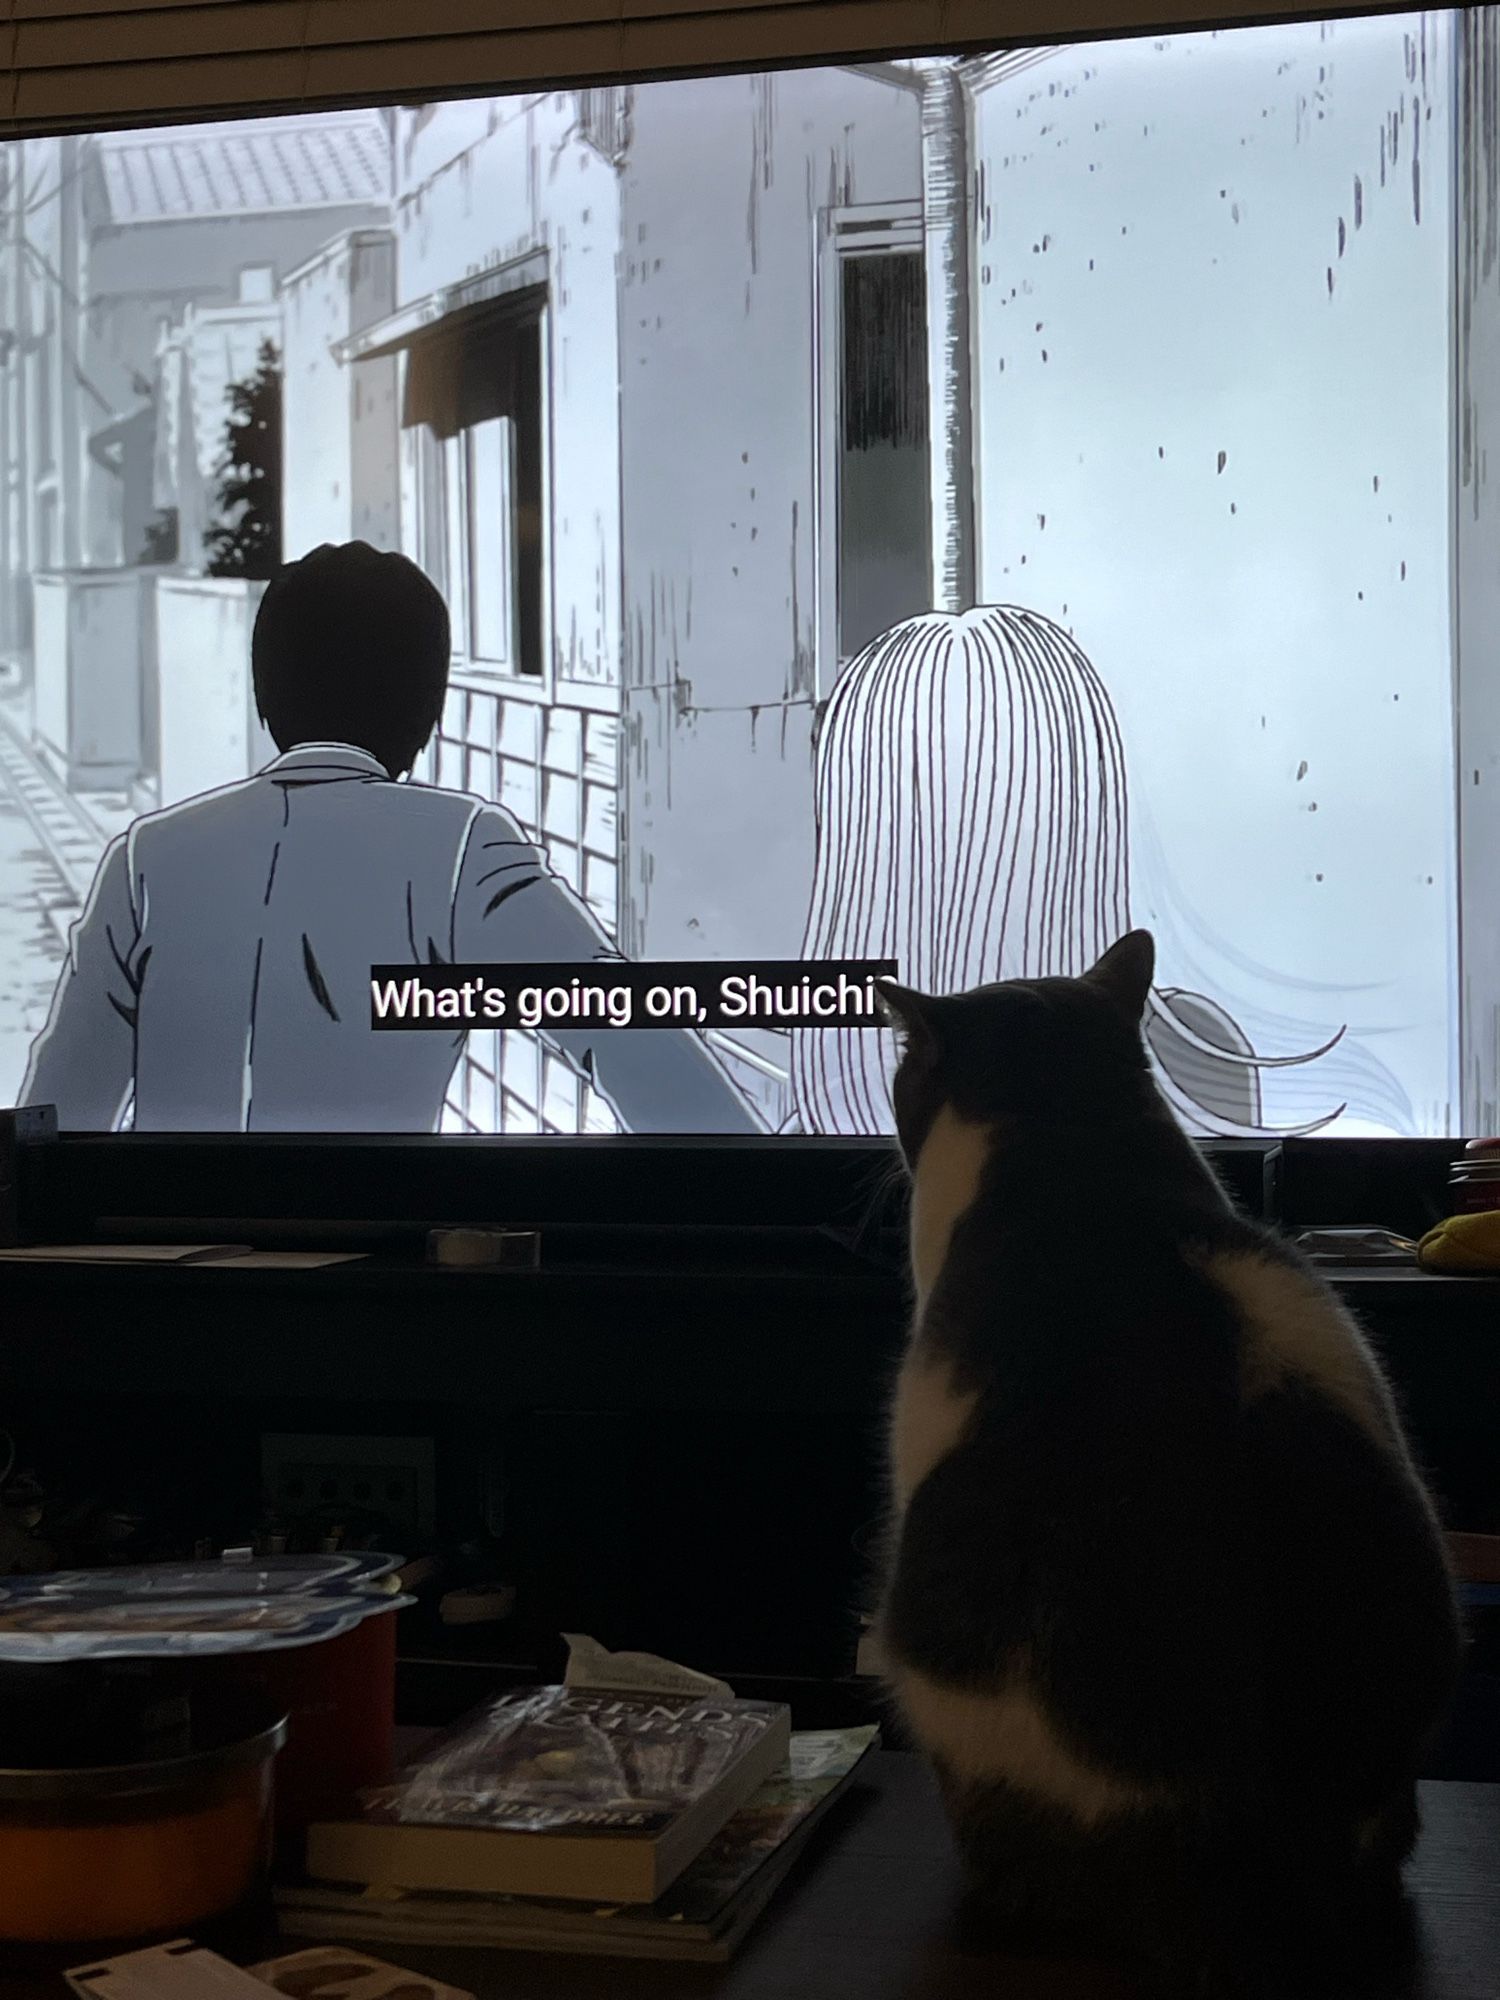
(585, 1793)
(703, 1915)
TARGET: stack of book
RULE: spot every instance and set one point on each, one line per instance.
(580, 1820)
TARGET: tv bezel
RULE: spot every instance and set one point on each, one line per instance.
(767, 1181)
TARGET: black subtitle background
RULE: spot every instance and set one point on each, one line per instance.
(639, 978)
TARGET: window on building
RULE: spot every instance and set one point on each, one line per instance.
(490, 541)
(477, 394)
(883, 462)
(875, 504)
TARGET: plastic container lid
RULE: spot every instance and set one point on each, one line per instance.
(192, 1610)
(34, 1628)
(257, 1576)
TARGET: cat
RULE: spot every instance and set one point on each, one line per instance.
(1166, 1605)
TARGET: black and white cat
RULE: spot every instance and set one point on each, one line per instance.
(1167, 1603)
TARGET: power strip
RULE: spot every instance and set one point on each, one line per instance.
(385, 1480)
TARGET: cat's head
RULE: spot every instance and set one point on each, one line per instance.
(1034, 1050)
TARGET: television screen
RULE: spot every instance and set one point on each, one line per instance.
(931, 514)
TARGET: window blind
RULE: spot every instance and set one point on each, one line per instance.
(100, 63)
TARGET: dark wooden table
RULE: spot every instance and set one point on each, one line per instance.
(867, 1916)
(867, 1913)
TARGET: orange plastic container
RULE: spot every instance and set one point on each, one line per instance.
(311, 1639)
(130, 1850)
(339, 1699)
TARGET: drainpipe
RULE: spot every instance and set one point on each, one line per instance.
(9, 360)
(69, 456)
(947, 237)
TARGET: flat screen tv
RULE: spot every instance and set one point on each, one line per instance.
(922, 513)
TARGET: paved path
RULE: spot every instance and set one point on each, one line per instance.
(50, 844)
(31, 951)
(70, 837)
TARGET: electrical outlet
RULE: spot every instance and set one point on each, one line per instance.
(359, 1483)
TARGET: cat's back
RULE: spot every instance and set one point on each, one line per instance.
(1146, 1469)
(1063, 1469)
(1346, 1570)
(1074, 1292)
(1167, 1606)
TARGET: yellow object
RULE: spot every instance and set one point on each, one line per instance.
(1463, 1243)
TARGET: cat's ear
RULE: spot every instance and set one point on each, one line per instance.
(1125, 972)
(910, 1014)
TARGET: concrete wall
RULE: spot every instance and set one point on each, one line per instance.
(93, 644)
(340, 423)
(210, 733)
(1213, 387)
(375, 418)
(1477, 527)
(723, 186)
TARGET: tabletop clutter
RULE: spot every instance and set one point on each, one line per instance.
(182, 1742)
(184, 1971)
(1463, 1243)
(1468, 1240)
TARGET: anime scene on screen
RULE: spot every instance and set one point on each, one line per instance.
(939, 511)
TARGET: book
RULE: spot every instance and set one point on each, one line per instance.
(704, 1915)
(584, 1793)
(230, 1256)
(125, 1253)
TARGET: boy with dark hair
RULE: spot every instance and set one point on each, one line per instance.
(219, 976)
(352, 645)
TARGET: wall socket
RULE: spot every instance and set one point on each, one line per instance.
(360, 1483)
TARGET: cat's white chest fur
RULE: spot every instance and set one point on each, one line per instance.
(945, 1182)
(1007, 1734)
(930, 1417)
(931, 1413)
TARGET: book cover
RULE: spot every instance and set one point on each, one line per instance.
(589, 1793)
(561, 1760)
(822, 1763)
